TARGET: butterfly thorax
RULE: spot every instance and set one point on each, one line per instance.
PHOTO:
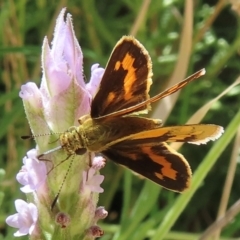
(88, 135)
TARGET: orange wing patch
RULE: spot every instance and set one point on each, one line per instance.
(166, 167)
(130, 78)
(110, 97)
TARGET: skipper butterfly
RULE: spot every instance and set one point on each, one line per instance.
(114, 129)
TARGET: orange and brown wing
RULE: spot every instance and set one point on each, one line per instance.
(145, 104)
(159, 163)
(195, 133)
(126, 80)
(146, 153)
(143, 131)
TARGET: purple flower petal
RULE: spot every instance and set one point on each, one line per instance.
(63, 62)
(33, 173)
(55, 72)
(30, 92)
(96, 77)
(26, 218)
(91, 181)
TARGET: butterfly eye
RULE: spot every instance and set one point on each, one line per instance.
(81, 151)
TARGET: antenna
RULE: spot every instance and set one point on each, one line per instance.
(25, 137)
(40, 158)
(72, 154)
(64, 179)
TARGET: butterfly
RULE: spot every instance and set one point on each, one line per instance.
(114, 129)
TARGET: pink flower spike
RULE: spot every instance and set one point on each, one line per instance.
(26, 218)
(33, 173)
(92, 182)
(96, 77)
(63, 88)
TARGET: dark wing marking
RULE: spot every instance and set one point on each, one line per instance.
(159, 163)
(126, 80)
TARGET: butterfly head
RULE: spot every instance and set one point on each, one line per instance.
(72, 141)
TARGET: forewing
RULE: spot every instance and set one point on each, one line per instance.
(146, 103)
(159, 163)
(126, 80)
(195, 133)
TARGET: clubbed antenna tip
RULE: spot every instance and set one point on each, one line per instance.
(54, 202)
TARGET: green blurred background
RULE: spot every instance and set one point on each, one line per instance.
(163, 28)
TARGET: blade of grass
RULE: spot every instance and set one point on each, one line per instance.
(209, 22)
(127, 177)
(216, 66)
(228, 182)
(140, 17)
(149, 224)
(9, 117)
(165, 106)
(112, 188)
(223, 221)
(146, 200)
(126, 196)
